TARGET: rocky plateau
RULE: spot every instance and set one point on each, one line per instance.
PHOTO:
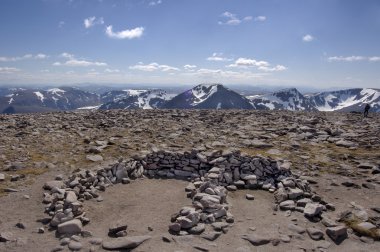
(189, 180)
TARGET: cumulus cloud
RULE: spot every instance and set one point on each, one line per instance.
(24, 57)
(125, 34)
(91, 21)
(353, 58)
(61, 24)
(260, 18)
(107, 70)
(41, 56)
(84, 63)
(73, 62)
(374, 58)
(259, 64)
(277, 68)
(153, 67)
(307, 38)
(8, 70)
(154, 3)
(232, 19)
(189, 67)
(67, 55)
(246, 62)
(348, 58)
(218, 57)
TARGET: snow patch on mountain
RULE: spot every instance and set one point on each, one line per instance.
(56, 91)
(135, 99)
(39, 95)
(135, 91)
(203, 92)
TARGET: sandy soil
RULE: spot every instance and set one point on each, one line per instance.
(148, 204)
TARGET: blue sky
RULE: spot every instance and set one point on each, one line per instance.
(325, 43)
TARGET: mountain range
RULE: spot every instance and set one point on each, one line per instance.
(203, 96)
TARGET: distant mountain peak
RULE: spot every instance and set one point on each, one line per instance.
(209, 96)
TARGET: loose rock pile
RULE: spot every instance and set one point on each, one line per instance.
(212, 174)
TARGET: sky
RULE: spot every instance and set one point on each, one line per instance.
(300, 43)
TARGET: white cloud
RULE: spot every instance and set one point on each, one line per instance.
(218, 57)
(354, 58)
(153, 67)
(41, 56)
(189, 67)
(154, 3)
(91, 21)
(246, 62)
(374, 58)
(84, 63)
(273, 69)
(347, 59)
(259, 64)
(67, 55)
(232, 19)
(307, 38)
(25, 57)
(73, 62)
(80, 63)
(260, 18)
(107, 70)
(8, 70)
(125, 34)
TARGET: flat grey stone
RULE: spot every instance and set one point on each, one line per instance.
(315, 233)
(256, 240)
(212, 236)
(94, 158)
(54, 183)
(175, 227)
(231, 188)
(198, 229)
(249, 196)
(294, 193)
(312, 209)
(64, 241)
(70, 227)
(95, 241)
(219, 226)
(287, 205)
(297, 229)
(125, 242)
(74, 245)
